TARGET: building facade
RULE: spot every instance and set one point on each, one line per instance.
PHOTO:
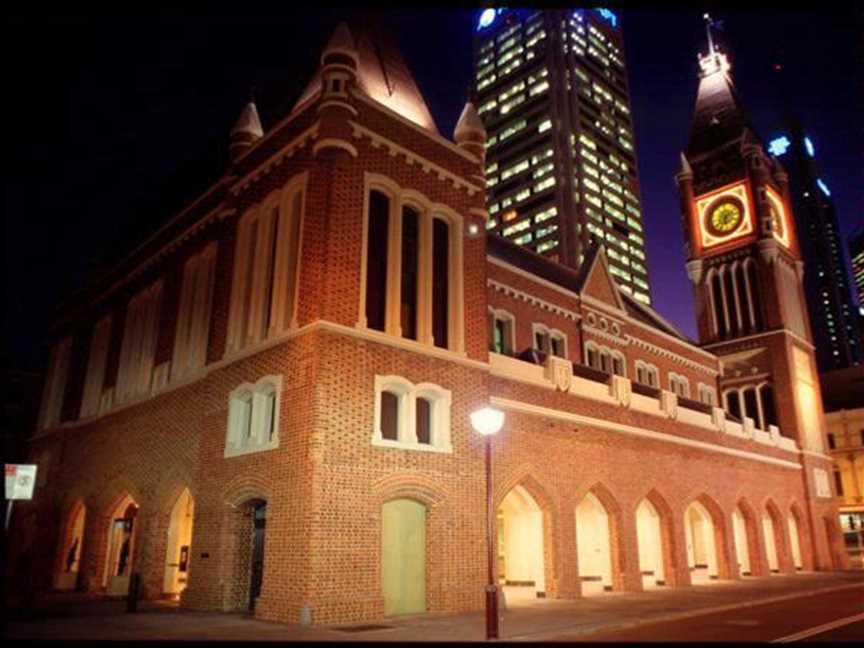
(551, 88)
(856, 254)
(266, 406)
(844, 415)
(830, 305)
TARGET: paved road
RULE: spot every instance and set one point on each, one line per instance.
(766, 622)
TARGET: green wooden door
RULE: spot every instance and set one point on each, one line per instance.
(403, 557)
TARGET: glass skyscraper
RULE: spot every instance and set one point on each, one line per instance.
(826, 279)
(551, 89)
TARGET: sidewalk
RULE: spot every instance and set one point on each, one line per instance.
(525, 619)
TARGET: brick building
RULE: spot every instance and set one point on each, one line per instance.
(266, 405)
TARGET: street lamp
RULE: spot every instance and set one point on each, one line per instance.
(488, 421)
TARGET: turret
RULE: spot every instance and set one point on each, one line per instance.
(339, 62)
(470, 134)
(246, 132)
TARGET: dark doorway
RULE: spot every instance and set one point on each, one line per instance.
(259, 522)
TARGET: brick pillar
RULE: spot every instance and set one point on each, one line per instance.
(734, 572)
(679, 575)
(630, 577)
(569, 585)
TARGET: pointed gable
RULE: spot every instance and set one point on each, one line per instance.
(597, 282)
(382, 75)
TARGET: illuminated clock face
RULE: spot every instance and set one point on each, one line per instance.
(724, 218)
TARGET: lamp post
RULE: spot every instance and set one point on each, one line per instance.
(488, 421)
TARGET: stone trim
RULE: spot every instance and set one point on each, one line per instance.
(411, 157)
(612, 426)
(534, 301)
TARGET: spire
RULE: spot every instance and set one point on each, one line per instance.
(246, 131)
(341, 42)
(382, 74)
(719, 117)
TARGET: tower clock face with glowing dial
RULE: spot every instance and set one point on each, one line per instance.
(724, 217)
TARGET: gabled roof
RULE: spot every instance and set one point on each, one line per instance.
(593, 268)
(381, 74)
(719, 117)
(596, 280)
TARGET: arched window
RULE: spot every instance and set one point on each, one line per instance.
(558, 344)
(707, 394)
(377, 240)
(618, 364)
(411, 416)
(410, 261)
(755, 294)
(413, 258)
(266, 267)
(592, 355)
(390, 415)
(716, 290)
(733, 403)
(441, 282)
(503, 332)
(541, 337)
(751, 405)
(253, 417)
(769, 412)
(679, 384)
(605, 360)
(729, 293)
(647, 374)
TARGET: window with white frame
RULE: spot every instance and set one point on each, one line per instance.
(679, 385)
(266, 267)
(619, 366)
(193, 315)
(55, 384)
(135, 371)
(755, 401)
(253, 417)
(502, 331)
(95, 379)
(409, 416)
(647, 374)
(604, 359)
(412, 266)
(549, 341)
(707, 394)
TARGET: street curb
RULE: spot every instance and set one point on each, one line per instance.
(681, 615)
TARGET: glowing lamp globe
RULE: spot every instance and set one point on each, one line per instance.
(487, 420)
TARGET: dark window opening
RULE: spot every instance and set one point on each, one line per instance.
(410, 257)
(376, 260)
(440, 282)
(389, 416)
(769, 410)
(719, 317)
(751, 408)
(424, 421)
(831, 442)
(733, 404)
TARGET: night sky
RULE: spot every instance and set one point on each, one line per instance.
(115, 122)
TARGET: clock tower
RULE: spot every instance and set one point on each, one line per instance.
(744, 262)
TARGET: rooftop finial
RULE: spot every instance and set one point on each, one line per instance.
(708, 24)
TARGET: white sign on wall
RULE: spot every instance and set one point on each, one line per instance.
(20, 480)
(820, 477)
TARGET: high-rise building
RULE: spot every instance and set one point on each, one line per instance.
(856, 254)
(551, 89)
(826, 277)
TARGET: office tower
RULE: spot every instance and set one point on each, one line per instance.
(826, 279)
(856, 254)
(551, 89)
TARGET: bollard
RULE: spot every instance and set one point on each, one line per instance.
(132, 596)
